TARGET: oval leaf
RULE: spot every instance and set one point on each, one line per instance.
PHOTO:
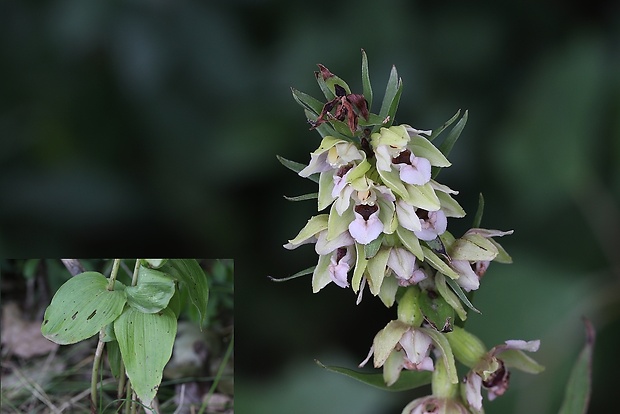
(80, 308)
(153, 291)
(145, 341)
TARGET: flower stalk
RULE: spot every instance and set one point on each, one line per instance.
(385, 225)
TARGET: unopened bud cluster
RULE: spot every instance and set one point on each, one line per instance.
(384, 224)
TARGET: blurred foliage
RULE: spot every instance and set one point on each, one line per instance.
(154, 125)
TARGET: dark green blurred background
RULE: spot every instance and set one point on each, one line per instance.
(152, 126)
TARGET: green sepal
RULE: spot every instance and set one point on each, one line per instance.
(388, 291)
(474, 248)
(314, 225)
(515, 358)
(386, 339)
(338, 224)
(442, 344)
(407, 380)
(439, 264)
(361, 262)
(81, 307)
(422, 196)
(422, 147)
(376, 270)
(411, 242)
(320, 275)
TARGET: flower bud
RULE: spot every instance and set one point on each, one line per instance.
(467, 348)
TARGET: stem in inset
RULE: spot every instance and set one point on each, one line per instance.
(134, 279)
(115, 266)
(96, 364)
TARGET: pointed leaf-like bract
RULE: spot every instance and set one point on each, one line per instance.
(193, 280)
(406, 381)
(145, 341)
(579, 385)
(81, 307)
(366, 87)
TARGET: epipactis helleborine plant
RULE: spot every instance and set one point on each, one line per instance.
(385, 227)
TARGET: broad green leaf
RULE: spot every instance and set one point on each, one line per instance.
(152, 292)
(408, 380)
(145, 341)
(193, 280)
(579, 386)
(81, 307)
(366, 87)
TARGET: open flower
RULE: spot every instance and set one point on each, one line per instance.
(492, 373)
(434, 405)
(405, 267)
(399, 346)
(433, 223)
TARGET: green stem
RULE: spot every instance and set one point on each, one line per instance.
(96, 365)
(134, 278)
(115, 266)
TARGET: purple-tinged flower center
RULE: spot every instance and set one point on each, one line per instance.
(403, 158)
(366, 210)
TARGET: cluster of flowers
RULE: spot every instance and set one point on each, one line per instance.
(387, 228)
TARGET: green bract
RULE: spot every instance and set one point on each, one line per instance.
(81, 307)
